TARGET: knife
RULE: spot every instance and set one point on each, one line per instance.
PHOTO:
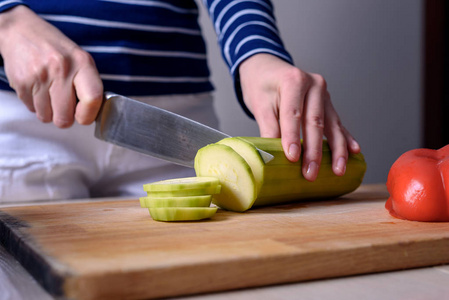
(151, 130)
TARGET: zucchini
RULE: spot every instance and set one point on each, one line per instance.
(181, 199)
(250, 154)
(181, 213)
(186, 192)
(239, 190)
(183, 187)
(176, 184)
(326, 185)
(189, 201)
(279, 181)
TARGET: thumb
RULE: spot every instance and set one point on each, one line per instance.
(266, 115)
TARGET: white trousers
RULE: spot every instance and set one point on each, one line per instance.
(42, 162)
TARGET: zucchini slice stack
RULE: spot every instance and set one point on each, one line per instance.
(181, 199)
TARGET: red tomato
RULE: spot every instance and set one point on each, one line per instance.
(417, 185)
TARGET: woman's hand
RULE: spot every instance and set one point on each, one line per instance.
(47, 70)
(285, 100)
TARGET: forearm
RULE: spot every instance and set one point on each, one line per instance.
(11, 18)
(11, 12)
(245, 28)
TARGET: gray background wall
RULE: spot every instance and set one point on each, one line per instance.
(369, 51)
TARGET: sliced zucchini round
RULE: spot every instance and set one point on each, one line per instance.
(181, 213)
(185, 192)
(249, 152)
(239, 189)
(188, 201)
(186, 183)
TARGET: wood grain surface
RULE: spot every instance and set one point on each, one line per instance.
(114, 250)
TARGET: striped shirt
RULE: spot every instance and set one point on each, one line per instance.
(144, 47)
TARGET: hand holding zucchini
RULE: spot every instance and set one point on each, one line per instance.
(246, 181)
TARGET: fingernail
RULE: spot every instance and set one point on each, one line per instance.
(341, 165)
(312, 170)
(293, 151)
(355, 146)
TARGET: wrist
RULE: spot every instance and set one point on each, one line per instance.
(10, 18)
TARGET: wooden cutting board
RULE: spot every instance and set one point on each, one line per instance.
(114, 250)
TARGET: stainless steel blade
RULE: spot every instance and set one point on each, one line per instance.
(159, 133)
(153, 131)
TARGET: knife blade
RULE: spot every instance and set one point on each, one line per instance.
(154, 131)
(151, 130)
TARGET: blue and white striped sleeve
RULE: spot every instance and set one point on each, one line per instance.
(7, 4)
(245, 28)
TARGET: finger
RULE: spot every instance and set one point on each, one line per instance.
(313, 127)
(89, 90)
(337, 140)
(42, 103)
(23, 87)
(291, 109)
(269, 126)
(63, 102)
(353, 145)
(267, 120)
(26, 95)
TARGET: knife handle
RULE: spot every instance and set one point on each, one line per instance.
(2, 73)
